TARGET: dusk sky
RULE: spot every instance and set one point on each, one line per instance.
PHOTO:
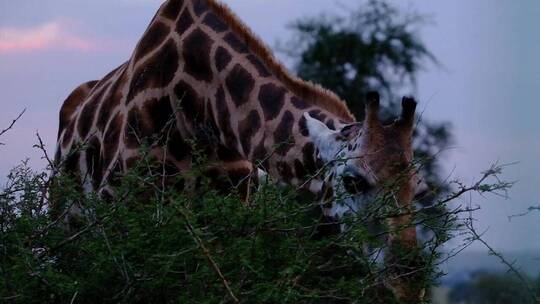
(486, 86)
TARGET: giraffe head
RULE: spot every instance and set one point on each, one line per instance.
(363, 157)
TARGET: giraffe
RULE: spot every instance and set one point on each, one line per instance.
(196, 68)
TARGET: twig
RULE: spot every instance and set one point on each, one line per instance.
(206, 252)
(481, 188)
(511, 268)
(47, 182)
(43, 231)
(12, 124)
(74, 236)
(74, 297)
(41, 146)
(11, 297)
(529, 210)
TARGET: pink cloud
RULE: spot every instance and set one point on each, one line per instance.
(53, 35)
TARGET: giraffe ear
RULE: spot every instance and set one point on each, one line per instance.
(325, 139)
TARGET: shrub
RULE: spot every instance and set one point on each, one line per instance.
(151, 243)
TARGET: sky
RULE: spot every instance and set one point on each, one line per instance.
(485, 86)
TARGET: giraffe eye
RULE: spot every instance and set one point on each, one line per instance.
(356, 184)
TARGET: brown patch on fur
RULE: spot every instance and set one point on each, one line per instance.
(300, 170)
(302, 126)
(74, 100)
(171, 8)
(197, 55)
(86, 118)
(215, 23)
(239, 84)
(156, 72)
(178, 148)
(299, 103)
(308, 158)
(192, 105)
(247, 128)
(330, 124)
(317, 115)
(236, 43)
(222, 58)
(71, 164)
(111, 100)
(111, 139)
(184, 22)
(133, 129)
(271, 98)
(306, 90)
(227, 155)
(261, 68)
(68, 134)
(200, 6)
(158, 112)
(283, 135)
(153, 37)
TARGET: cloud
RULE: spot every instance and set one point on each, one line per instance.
(53, 35)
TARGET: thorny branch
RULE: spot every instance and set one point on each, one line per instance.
(206, 252)
(475, 236)
(41, 146)
(480, 187)
(529, 210)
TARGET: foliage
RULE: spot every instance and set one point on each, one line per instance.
(152, 244)
(157, 244)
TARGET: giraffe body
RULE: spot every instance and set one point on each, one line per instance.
(199, 66)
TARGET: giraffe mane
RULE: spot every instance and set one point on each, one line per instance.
(312, 93)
